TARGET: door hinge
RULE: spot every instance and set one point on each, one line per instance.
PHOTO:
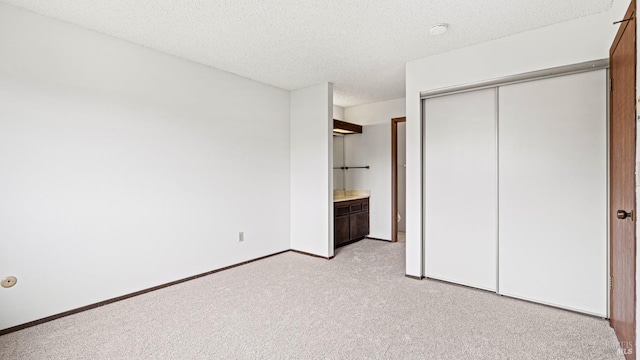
(610, 282)
(610, 84)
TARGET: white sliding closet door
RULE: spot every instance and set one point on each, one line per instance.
(553, 191)
(461, 181)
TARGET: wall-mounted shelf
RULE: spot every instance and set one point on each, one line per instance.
(343, 127)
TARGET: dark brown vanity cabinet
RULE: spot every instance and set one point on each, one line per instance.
(351, 221)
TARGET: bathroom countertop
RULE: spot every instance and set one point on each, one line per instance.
(346, 195)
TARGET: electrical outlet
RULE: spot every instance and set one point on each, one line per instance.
(241, 236)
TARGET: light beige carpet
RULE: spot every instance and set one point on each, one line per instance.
(357, 306)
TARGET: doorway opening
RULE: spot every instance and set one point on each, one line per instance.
(398, 178)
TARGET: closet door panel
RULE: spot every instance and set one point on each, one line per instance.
(553, 191)
(461, 181)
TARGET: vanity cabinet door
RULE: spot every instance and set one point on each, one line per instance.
(351, 221)
(341, 230)
(359, 224)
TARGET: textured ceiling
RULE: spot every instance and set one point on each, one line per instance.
(359, 45)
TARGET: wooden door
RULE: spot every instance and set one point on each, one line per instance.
(622, 183)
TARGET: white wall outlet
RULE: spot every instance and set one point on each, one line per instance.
(241, 236)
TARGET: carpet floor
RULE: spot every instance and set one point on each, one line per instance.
(291, 306)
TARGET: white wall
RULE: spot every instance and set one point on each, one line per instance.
(338, 112)
(338, 161)
(572, 42)
(376, 113)
(338, 151)
(311, 169)
(373, 148)
(122, 168)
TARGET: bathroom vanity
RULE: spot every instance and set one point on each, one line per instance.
(351, 216)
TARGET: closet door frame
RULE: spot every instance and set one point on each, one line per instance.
(496, 83)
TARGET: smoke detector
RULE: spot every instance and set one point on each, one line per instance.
(438, 29)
